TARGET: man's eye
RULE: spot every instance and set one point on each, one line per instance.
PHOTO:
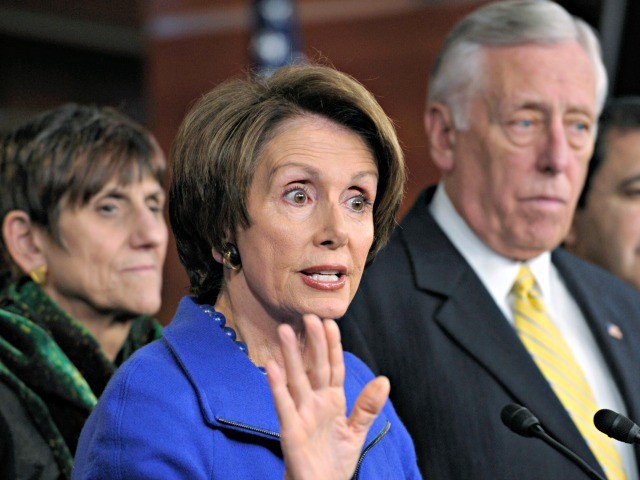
(581, 126)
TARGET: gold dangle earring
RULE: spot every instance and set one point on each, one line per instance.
(39, 274)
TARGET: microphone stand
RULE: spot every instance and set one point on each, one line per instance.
(538, 432)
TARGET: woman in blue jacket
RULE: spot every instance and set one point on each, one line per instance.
(283, 190)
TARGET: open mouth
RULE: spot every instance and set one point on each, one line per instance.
(328, 276)
(324, 278)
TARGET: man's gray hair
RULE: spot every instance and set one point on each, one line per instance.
(455, 74)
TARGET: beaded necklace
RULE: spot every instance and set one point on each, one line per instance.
(221, 321)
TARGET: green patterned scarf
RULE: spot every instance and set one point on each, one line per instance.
(55, 365)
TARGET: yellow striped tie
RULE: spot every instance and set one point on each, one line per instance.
(554, 358)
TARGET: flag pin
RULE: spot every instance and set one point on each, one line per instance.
(614, 331)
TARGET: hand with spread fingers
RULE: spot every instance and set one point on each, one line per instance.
(318, 440)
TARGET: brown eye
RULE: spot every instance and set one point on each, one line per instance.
(358, 203)
(299, 197)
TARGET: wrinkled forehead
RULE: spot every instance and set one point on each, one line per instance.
(558, 75)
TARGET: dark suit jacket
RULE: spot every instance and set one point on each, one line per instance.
(423, 318)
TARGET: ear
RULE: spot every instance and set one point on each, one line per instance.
(23, 241)
(441, 132)
(217, 256)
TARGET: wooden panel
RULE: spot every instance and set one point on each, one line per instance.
(389, 47)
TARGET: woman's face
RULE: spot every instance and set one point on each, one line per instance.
(311, 211)
(112, 253)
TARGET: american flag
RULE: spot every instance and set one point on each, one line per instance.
(276, 36)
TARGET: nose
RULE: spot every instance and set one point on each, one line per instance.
(333, 232)
(149, 229)
(555, 154)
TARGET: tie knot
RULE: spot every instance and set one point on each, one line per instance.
(524, 282)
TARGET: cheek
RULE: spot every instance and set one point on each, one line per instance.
(499, 178)
(75, 278)
(626, 226)
(619, 218)
(93, 247)
(619, 228)
(272, 246)
(362, 240)
(499, 200)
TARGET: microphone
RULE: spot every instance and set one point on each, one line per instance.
(617, 426)
(521, 421)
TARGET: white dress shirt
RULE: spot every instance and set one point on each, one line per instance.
(498, 273)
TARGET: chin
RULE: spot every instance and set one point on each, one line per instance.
(146, 307)
(333, 310)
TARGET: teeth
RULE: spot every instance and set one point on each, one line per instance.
(325, 277)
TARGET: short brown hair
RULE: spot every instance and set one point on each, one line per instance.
(218, 144)
(69, 154)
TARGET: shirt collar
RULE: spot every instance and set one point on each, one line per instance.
(496, 272)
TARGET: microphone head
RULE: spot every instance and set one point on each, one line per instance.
(616, 426)
(519, 419)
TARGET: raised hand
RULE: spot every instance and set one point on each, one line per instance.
(318, 440)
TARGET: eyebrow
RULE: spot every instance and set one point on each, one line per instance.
(119, 193)
(115, 192)
(542, 106)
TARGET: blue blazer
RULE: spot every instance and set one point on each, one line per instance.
(423, 318)
(192, 405)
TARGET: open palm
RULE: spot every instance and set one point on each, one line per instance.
(318, 440)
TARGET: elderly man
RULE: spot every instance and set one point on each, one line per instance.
(606, 226)
(472, 306)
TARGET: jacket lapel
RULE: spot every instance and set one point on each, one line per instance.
(604, 314)
(227, 384)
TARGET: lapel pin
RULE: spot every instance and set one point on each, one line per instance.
(614, 331)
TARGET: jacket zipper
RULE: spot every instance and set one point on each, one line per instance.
(276, 435)
(373, 443)
(248, 427)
